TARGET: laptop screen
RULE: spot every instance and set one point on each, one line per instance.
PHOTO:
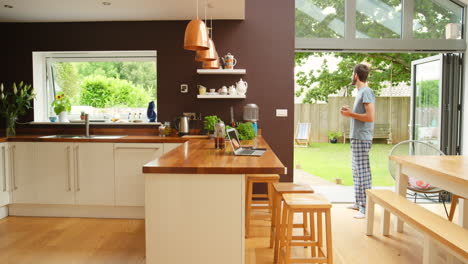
(234, 139)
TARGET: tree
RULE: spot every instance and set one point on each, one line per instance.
(67, 78)
(386, 69)
(103, 92)
(141, 74)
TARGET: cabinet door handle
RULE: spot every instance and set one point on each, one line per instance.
(77, 159)
(4, 168)
(68, 170)
(155, 148)
(13, 173)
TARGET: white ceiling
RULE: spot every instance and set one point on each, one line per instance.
(119, 10)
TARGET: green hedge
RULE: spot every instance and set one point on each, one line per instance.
(103, 92)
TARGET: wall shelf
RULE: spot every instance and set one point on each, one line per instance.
(221, 71)
(221, 96)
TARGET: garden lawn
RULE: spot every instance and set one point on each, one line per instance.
(331, 161)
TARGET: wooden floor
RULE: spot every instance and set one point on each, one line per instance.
(33, 240)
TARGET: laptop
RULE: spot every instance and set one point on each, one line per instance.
(237, 147)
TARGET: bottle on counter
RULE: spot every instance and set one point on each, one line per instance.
(168, 129)
(220, 135)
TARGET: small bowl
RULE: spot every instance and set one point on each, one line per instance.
(53, 119)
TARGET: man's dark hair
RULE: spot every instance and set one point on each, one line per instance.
(362, 72)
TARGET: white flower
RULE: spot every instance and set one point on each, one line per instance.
(1, 87)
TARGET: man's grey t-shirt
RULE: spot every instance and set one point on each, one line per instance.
(362, 130)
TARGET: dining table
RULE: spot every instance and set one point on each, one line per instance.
(449, 173)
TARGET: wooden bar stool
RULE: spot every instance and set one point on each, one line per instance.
(250, 204)
(279, 189)
(315, 205)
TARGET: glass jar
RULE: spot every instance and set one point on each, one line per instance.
(220, 135)
(162, 130)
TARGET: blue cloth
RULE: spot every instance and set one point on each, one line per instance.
(362, 130)
(151, 113)
(362, 176)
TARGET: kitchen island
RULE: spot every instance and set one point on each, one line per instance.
(195, 203)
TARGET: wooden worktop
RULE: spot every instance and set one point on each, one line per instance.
(126, 139)
(452, 168)
(198, 156)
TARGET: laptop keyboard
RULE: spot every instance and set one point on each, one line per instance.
(247, 151)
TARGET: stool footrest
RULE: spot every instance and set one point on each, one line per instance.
(303, 243)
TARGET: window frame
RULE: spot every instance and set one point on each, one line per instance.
(406, 43)
(42, 63)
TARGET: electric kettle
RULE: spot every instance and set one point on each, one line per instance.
(182, 125)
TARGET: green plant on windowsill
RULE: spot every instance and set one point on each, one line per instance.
(333, 136)
(210, 122)
(14, 103)
(61, 104)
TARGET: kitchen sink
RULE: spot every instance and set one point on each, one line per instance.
(83, 136)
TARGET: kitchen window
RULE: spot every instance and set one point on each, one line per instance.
(106, 85)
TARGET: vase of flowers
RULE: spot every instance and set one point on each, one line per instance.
(14, 103)
(61, 106)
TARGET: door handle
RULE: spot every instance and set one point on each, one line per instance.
(155, 148)
(12, 160)
(68, 169)
(77, 166)
(4, 169)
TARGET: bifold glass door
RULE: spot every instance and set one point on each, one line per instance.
(436, 105)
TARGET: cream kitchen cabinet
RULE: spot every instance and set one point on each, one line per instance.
(170, 146)
(23, 182)
(94, 173)
(53, 173)
(129, 179)
(5, 186)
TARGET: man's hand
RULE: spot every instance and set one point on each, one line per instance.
(368, 116)
(345, 111)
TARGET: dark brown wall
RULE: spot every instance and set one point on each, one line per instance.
(263, 44)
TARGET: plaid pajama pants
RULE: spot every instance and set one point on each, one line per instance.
(361, 170)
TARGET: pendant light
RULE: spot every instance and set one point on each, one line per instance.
(196, 35)
(207, 55)
(210, 53)
(211, 64)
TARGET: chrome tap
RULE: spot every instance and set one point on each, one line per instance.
(87, 124)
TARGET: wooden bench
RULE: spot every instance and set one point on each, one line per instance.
(380, 131)
(437, 230)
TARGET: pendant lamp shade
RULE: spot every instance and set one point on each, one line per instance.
(207, 55)
(211, 64)
(196, 36)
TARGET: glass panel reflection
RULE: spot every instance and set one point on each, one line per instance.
(378, 19)
(320, 19)
(437, 19)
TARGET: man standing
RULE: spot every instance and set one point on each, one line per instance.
(362, 131)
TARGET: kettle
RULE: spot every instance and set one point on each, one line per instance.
(182, 125)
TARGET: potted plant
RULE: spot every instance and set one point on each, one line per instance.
(61, 106)
(82, 115)
(246, 131)
(333, 136)
(14, 103)
(209, 123)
